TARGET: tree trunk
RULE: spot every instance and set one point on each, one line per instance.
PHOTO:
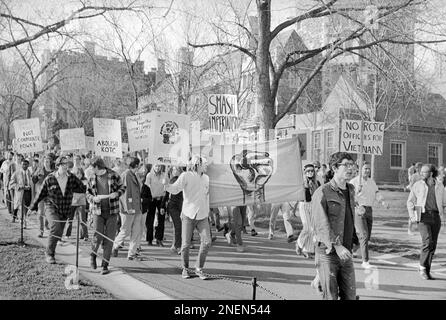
(265, 103)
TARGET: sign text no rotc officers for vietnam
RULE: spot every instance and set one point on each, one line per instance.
(372, 133)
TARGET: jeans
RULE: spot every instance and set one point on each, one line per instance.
(106, 225)
(57, 225)
(70, 221)
(175, 213)
(429, 230)
(159, 229)
(130, 227)
(187, 228)
(306, 236)
(363, 225)
(43, 222)
(9, 195)
(287, 214)
(236, 217)
(83, 215)
(337, 277)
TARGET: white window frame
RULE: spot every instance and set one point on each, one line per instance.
(440, 151)
(403, 154)
(326, 146)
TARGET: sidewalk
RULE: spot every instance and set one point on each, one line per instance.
(280, 273)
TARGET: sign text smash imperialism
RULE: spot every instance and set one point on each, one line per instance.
(27, 136)
(373, 136)
(223, 112)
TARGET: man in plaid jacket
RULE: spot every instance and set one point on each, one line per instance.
(57, 192)
(103, 192)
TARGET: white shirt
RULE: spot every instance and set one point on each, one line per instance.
(369, 191)
(62, 181)
(154, 182)
(195, 189)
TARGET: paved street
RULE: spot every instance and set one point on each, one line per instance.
(280, 273)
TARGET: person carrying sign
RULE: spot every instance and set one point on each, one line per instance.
(57, 193)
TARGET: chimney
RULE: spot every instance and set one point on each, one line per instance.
(161, 70)
(90, 47)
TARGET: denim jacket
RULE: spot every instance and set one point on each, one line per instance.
(328, 210)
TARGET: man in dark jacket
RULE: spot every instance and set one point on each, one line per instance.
(57, 192)
(332, 209)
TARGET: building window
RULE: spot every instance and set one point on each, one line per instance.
(397, 154)
(434, 154)
(317, 146)
(329, 143)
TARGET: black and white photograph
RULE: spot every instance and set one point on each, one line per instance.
(216, 158)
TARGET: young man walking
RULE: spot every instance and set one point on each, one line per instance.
(57, 193)
(332, 208)
(426, 205)
(105, 188)
(21, 182)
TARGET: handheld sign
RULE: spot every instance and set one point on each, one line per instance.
(139, 129)
(27, 136)
(372, 137)
(107, 137)
(223, 112)
(72, 139)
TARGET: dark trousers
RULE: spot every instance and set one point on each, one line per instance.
(57, 225)
(10, 201)
(363, 226)
(337, 277)
(175, 213)
(105, 224)
(83, 216)
(159, 229)
(26, 202)
(70, 222)
(429, 228)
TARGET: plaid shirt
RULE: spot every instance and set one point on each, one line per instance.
(114, 185)
(53, 197)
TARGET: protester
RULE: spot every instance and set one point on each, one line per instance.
(146, 199)
(195, 211)
(288, 209)
(236, 215)
(82, 212)
(8, 168)
(21, 182)
(38, 178)
(332, 207)
(305, 242)
(426, 205)
(366, 192)
(319, 175)
(413, 179)
(252, 214)
(104, 190)
(174, 206)
(130, 210)
(154, 182)
(57, 193)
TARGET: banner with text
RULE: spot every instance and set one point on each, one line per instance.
(139, 130)
(72, 139)
(373, 137)
(223, 112)
(107, 137)
(266, 172)
(27, 136)
(170, 138)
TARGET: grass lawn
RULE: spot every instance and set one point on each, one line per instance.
(24, 274)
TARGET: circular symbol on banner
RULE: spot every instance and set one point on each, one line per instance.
(169, 131)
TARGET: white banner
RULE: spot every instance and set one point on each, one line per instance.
(27, 136)
(373, 137)
(72, 139)
(223, 112)
(139, 130)
(170, 138)
(243, 174)
(107, 137)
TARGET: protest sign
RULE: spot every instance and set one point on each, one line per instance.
(372, 137)
(223, 112)
(107, 137)
(170, 138)
(72, 139)
(27, 136)
(139, 129)
(243, 174)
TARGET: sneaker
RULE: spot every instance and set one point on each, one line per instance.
(200, 274)
(185, 274)
(220, 228)
(424, 274)
(159, 243)
(86, 239)
(366, 265)
(105, 270)
(173, 249)
(270, 236)
(131, 258)
(50, 259)
(115, 252)
(138, 250)
(214, 238)
(228, 238)
(240, 248)
(292, 238)
(254, 232)
(244, 230)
